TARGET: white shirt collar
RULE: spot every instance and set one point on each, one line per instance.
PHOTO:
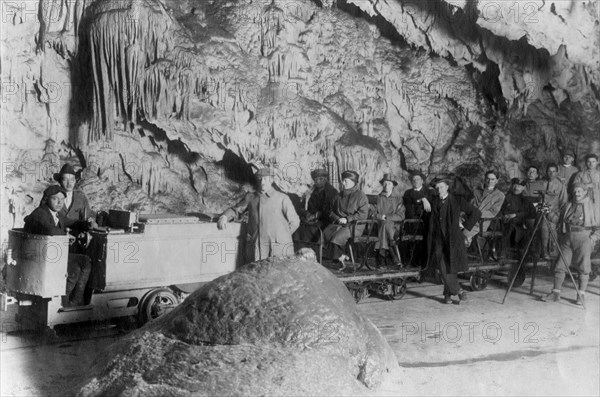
(54, 215)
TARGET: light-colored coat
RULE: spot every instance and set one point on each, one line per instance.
(271, 221)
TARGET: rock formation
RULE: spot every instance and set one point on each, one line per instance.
(168, 105)
(282, 326)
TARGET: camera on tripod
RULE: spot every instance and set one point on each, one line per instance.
(542, 207)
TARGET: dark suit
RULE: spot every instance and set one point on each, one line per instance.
(75, 217)
(446, 247)
(41, 221)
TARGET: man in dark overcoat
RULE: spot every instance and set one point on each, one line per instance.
(445, 243)
(350, 205)
(317, 206)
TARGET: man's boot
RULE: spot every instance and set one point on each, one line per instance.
(580, 299)
(553, 296)
(395, 255)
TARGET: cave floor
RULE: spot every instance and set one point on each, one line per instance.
(480, 347)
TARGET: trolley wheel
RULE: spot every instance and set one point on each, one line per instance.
(156, 303)
(519, 280)
(399, 290)
(479, 281)
(359, 293)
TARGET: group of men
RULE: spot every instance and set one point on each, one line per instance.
(447, 222)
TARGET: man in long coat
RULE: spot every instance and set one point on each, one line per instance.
(489, 201)
(271, 220)
(350, 205)
(388, 210)
(318, 205)
(445, 241)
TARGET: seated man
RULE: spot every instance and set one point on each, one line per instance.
(317, 207)
(76, 210)
(46, 220)
(489, 201)
(515, 212)
(350, 205)
(389, 208)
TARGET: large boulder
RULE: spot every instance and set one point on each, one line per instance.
(282, 326)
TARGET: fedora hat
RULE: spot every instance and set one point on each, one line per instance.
(66, 169)
(388, 177)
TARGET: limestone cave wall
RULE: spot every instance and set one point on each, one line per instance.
(168, 105)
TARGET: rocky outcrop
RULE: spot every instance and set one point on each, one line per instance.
(169, 104)
(282, 326)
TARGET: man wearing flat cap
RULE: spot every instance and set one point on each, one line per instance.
(516, 210)
(271, 220)
(388, 210)
(47, 220)
(350, 205)
(578, 232)
(445, 241)
(76, 210)
(318, 202)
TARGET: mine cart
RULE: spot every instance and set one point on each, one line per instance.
(140, 267)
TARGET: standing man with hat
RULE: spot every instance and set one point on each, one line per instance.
(47, 220)
(76, 210)
(566, 170)
(350, 205)
(445, 241)
(271, 220)
(578, 231)
(590, 178)
(417, 202)
(389, 209)
(516, 210)
(317, 206)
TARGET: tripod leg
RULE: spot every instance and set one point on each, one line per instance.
(562, 257)
(537, 224)
(533, 271)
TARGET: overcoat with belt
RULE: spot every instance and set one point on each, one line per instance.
(271, 221)
(452, 240)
